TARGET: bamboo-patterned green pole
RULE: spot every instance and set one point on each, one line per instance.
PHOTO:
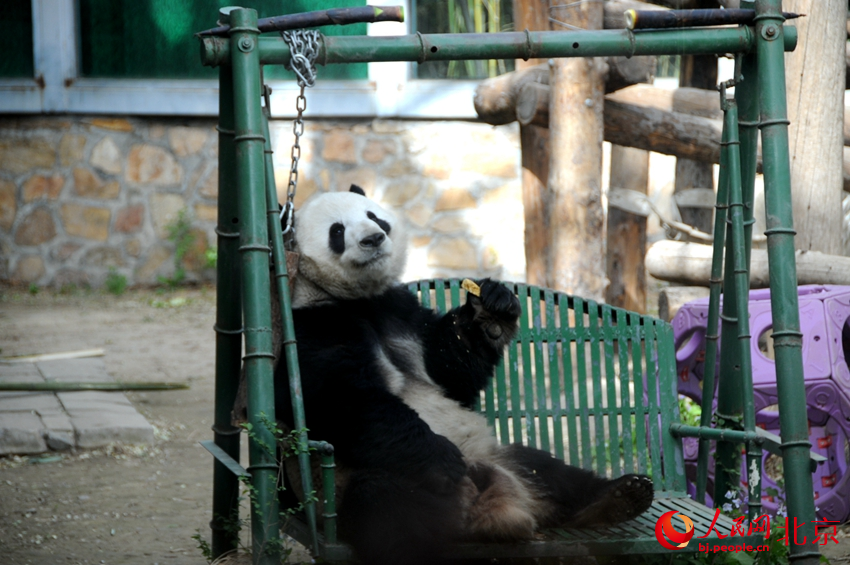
(289, 349)
(746, 97)
(711, 333)
(254, 246)
(504, 45)
(730, 406)
(787, 339)
(228, 327)
(742, 285)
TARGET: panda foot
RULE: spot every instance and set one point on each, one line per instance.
(625, 498)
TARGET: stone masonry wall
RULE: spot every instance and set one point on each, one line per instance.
(83, 196)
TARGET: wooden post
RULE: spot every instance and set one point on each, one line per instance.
(576, 244)
(627, 233)
(816, 81)
(699, 71)
(533, 15)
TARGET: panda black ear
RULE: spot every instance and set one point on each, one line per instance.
(357, 190)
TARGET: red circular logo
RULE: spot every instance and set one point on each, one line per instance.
(664, 531)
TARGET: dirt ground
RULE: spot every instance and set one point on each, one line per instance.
(122, 505)
(127, 505)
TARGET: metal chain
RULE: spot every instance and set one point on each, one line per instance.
(304, 48)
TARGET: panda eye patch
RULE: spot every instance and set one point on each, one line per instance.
(336, 238)
(381, 223)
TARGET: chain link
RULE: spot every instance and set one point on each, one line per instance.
(304, 48)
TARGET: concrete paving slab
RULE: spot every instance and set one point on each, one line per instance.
(21, 432)
(90, 369)
(92, 400)
(32, 422)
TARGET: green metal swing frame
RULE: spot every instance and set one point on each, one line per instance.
(641, 345)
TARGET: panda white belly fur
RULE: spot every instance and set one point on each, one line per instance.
(507, 507)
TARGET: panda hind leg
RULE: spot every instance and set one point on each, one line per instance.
(570, 496)
(394, 521)
(624, 498)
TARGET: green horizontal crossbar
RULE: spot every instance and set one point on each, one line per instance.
(507, 45)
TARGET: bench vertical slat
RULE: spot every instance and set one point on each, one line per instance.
(555, 374)
(513, 370)
(596, 384)
(613, 439)
(623, 339)
(501, 384)
(440, 295)
(454, 292)
(425, 293)
(540, 373)
(654, 412)
(568, 381)
(637, 395)
(582, 339)
(527, 397)
(673, 453)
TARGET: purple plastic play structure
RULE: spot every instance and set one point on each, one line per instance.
(825, 323)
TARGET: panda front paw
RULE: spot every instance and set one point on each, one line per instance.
(497, 310)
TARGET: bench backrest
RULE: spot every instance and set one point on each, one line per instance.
(593, 384)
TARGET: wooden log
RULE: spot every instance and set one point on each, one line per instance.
(626, 122)
(532, 105)
(692, 101)
(690, 264)
(642, 127)
(671, 133)
(815, 110)
(672, 298)
(495, 98)
(627, 233)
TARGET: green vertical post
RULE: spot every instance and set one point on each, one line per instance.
(787, 339)
(289, 351)
(746, 98)
(730, 405)
(711, 333)
(742, 284)
(256, 298)
(228, 328)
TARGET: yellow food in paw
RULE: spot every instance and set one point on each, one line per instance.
(470, 286)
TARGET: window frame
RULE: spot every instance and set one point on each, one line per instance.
(390, 91)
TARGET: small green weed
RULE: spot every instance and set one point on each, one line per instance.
(180, 234)
(115, 283)
(33, 289)
(211, 256)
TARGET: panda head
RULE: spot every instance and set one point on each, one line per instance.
(349, 246)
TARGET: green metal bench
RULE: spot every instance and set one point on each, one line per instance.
(592, 384)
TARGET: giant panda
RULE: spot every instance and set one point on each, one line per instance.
(391, 384)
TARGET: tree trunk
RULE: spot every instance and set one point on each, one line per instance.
(533, 15)
(815, 81)
(627, 233)
(576, 244)
(698, 71)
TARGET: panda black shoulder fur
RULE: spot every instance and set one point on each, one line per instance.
(390, 384)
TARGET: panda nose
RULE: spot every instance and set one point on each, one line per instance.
(374, 240)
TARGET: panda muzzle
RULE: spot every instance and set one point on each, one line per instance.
(373, 241)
